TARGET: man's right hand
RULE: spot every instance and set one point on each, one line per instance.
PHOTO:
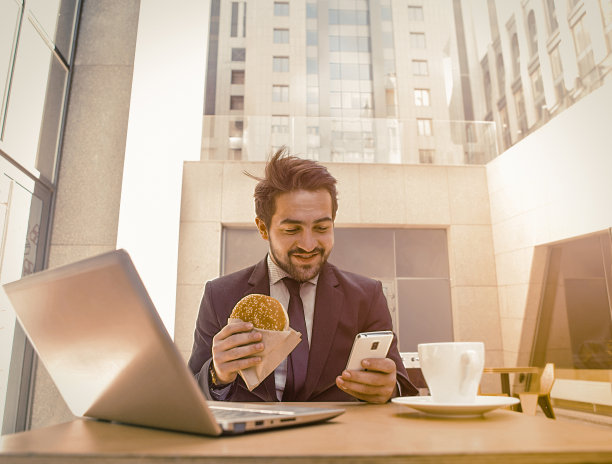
(235, 348)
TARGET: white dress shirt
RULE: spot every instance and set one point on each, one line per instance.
(278, 290)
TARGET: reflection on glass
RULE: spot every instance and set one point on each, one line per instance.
(24, 113)
(9, 20)
(411, 264)
(575, 323)
(52, 116)
(32, 236)
(56, 19)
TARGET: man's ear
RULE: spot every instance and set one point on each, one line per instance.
(261, 227)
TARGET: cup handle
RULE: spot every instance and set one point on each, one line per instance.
(469, 363)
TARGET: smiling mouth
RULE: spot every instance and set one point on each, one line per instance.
(306, 256)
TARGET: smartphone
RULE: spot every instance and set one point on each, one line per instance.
(369, 345)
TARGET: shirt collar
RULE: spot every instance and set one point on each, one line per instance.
(276, 274)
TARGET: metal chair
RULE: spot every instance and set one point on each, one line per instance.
(412, 364)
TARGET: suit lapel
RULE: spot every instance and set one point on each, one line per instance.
(328, 309)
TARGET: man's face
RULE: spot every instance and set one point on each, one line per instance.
(301, 232)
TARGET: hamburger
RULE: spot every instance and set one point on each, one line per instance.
(263, 311)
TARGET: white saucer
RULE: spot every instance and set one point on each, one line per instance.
(481, 405)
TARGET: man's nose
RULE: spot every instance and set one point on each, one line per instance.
(308, 241)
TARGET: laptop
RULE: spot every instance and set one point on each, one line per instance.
(98, 334)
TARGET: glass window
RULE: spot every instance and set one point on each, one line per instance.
(281, 8)
(350, 71)
(334, 71)
(312, 95)
(32, 120)
(420, 68)
(9, 17)
(519, 103)
(415, 13)
(505, 123)
(417, 40)
(387, 39)
(574, 325)
(424, 127)
(236, 102)
(237, 76)
(56, 19)
(486, 80)
(235, 154)
(363, 44)
(365, 72)
(312, 66)
(348, 44)
(582, 39)
(238, 54)
(584, 52)
(234, 24)
(557, 71)
(555, 63)
(533, 33)
(236, 128)
(280, 124)
(552, 15)
(280, 64)
(280, 93)
(385, 13)
(389, 66)
(516, 55)
(281, 36)
(421, 97)
(335, 100)
(48, 144)
(312, 37)
(311, 10)
(536, 82)
(501, 74)
(348, 17)
(606, 10)
(426, 156)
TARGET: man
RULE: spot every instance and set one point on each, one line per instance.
(296, 204)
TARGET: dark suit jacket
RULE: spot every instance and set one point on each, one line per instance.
(345, 304)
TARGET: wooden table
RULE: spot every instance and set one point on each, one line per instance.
(387, 433)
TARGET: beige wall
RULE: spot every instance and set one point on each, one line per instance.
(553, 185)
(456, 198)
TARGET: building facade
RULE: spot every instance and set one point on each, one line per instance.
(533, 59)
(341, 80)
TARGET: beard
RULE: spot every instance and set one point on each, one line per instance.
(300, 272)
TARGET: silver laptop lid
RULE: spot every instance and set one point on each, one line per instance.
(100, 338)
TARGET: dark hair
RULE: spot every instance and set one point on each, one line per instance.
(286, 173)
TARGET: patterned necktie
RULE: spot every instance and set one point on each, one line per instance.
(297, 361)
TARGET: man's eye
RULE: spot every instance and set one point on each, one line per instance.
(322, 229)
(291, 231)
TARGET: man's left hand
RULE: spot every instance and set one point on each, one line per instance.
(376, 384)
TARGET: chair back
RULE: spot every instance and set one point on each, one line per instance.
(412, 364)
(547, 379)
(410, 359)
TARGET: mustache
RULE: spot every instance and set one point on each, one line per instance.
(301, 251)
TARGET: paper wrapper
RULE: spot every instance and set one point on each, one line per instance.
(277, 346)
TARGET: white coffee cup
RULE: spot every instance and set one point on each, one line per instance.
(452, 370)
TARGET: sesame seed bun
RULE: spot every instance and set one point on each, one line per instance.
(263, 311)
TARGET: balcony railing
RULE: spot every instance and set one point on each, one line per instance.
(350, 140)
